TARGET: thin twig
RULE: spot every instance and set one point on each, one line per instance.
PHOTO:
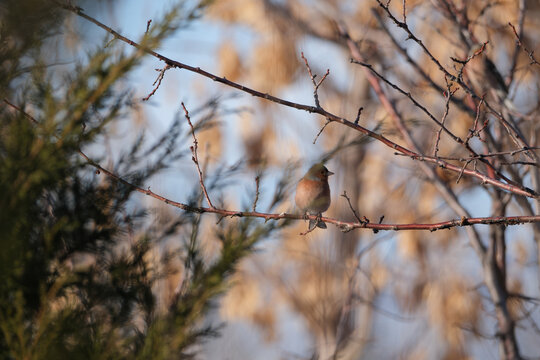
(148, 23)
(358, 115)
(158, 81)
(448, 95)
(257, 181)
(308, 230)
(195, 157)
(316, 84)
(474, 131)
(530, 54)
(462, 170)
(320, 131)
(350, 206)
(519, 34)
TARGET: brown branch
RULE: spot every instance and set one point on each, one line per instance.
(413, 100)
(311, 109)
(474, 131)
(448, 95)
(414, 64)
(316, 84)
(320, 131)
(512, 130)
(446, 192)
(195, 157)
(485, 179)
(452, 135)
(24, 113)
(148, 23)
(158, 80)
(519, 34)
(343, 225)
(351, 207)
(257, 183)
(530, 54)
(492, 154)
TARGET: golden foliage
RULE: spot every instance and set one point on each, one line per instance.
(522, 253)
(411, 245)
(274, 63)
(229, 61)
(452, 305)
(210, 143)
(243, 300)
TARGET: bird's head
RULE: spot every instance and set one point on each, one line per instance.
(318, 172)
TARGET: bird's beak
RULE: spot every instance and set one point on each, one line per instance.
(330, 173)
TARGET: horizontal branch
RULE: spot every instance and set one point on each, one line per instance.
(342, 225)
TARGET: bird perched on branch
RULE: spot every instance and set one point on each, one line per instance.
(313, 194)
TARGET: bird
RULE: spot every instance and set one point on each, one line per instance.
(313, 194)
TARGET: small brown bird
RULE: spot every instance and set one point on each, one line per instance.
(313, 194)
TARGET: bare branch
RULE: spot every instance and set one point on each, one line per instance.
(343, 225)
(519, 34)
(316, 84)
(257, 183)
(148, 23)
(512, 130)
(311, 109)
(448, 95)
(350, 206)
(358, 115)
(530, 54)
(195, 157)
(158, 80)
(320, 131)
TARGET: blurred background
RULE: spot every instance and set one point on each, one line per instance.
(328, 294)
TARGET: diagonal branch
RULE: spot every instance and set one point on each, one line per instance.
(311, 109)
(509, 125)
